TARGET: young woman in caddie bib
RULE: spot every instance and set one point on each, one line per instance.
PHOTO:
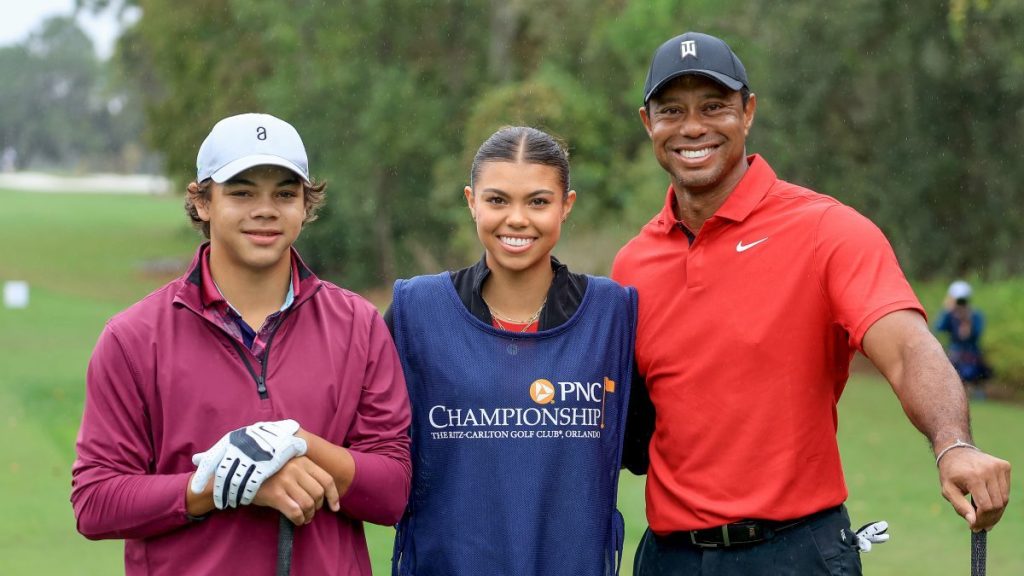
(518, 373)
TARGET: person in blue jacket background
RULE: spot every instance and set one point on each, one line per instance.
(964, 325)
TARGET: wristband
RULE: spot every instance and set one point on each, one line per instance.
(958, 444)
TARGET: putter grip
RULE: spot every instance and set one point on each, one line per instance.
(979, 545)
(285, 539)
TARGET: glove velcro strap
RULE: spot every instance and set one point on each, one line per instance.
(249, 446)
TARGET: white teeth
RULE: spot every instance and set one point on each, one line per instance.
(695, 153)
(517, 242)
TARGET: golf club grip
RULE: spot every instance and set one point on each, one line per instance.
(285, 539)
(979, 546)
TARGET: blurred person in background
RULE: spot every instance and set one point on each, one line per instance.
(964, 326)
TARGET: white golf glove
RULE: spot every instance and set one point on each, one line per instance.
(241, 460)
(873, 533)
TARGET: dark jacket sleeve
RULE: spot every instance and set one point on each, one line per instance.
(389, 319)
(639, 426)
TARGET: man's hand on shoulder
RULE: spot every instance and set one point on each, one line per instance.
(966, 470)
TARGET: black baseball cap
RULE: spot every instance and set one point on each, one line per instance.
(695, 53)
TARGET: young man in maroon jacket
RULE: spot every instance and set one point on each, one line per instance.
(244, 390)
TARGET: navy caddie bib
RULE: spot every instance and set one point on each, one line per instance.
(516, 437)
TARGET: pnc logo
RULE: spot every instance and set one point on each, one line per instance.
(542, 391)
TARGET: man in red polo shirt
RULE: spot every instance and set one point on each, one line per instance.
(754, 295)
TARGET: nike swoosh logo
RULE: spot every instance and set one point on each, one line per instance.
(741, 248)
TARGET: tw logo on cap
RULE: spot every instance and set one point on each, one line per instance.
(689, 48)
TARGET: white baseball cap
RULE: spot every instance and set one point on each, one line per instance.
(240, 142)
(959, 289)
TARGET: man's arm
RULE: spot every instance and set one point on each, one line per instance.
(114, 493)
(372, 471)
(913, 361)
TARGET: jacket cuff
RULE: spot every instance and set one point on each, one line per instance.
(379, 489)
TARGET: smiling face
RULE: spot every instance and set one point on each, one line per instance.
(698, 129)
(254, 219)
(518, 208)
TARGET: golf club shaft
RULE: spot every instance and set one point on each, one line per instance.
(285, 539)
(979, 552)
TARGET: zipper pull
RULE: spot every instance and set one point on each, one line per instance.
(261, 386)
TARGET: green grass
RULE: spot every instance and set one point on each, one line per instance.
(87, 256)
(891, 476)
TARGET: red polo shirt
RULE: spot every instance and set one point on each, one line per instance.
(745, 339)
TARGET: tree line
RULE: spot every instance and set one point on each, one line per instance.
(62, 108)
(909, 111)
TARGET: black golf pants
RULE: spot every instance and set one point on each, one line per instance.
(821, 546)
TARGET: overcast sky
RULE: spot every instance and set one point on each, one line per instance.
(23, 16)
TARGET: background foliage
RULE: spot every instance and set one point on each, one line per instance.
(61, 107)
(909, 111)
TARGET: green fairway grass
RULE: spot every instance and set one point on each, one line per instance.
(86, 256)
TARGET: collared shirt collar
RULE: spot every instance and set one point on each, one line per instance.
(747, 194)
(480, 272)
(212, 295)
(563, 298)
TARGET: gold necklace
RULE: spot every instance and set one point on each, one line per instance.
(498, 316)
